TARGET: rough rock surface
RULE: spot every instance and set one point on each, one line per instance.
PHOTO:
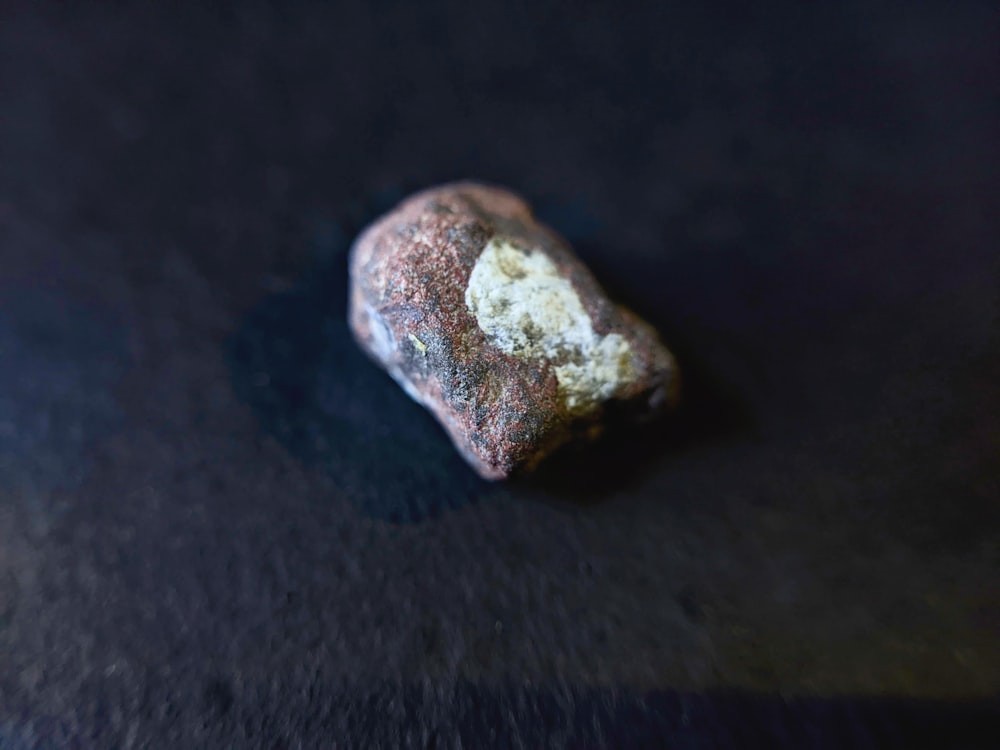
(489, 320)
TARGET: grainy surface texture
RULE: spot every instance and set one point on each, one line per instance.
(221, 525)
(489, 320)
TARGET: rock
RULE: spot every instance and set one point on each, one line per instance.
(489, 320)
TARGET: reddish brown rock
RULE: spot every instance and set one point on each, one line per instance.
(489, 320)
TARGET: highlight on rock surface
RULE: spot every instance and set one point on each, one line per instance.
(489, 320)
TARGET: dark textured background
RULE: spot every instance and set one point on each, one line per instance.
(220, 526)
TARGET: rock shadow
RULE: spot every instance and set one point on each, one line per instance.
(295, 362)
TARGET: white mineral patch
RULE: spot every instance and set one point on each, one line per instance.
(527, 309)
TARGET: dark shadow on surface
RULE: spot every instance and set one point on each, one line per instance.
(296, 363)
(626, 453)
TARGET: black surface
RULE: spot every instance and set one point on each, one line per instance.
(221, 526)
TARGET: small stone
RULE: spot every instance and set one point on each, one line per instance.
(489, 320)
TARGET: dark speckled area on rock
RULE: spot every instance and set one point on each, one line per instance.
(221, 525)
